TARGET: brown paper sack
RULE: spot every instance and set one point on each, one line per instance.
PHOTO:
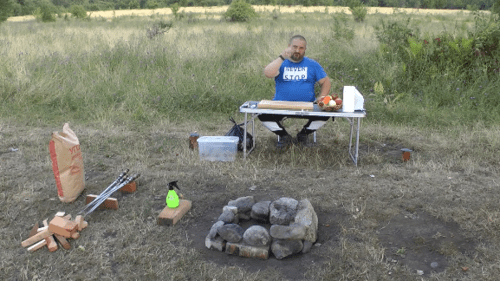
(67, 164)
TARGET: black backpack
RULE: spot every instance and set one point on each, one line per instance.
(238, 131)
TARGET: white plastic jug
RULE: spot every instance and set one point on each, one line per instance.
(353, 100)
(349, 99)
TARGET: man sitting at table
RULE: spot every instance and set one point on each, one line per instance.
(295, 76)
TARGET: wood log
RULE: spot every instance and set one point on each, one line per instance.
(37, 237)
(37, 246)
(34, 230)
(62, 226)
(64, 243)
(51, 242)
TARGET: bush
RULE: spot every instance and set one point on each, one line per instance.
(78, 11)
(358, 10)
(6, 9)
(240, 11)
(46, 12)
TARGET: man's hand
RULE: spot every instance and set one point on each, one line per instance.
(287, 52)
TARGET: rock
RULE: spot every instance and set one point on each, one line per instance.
(283, 210)
(215, 244)
(260, 211)
(293, 231)
(214, 229)
(244, 216)
(307, 246)
(420, 272)
(244, 204)
(232, 209)
(284, 248)
(307, 217)
(434, 264)
(257, 235)
(231, 232)
(227, 217)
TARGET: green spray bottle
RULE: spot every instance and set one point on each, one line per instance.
(172, 199)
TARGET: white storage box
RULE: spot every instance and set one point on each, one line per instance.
(218, 148)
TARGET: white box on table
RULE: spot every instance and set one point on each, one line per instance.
(218, 148)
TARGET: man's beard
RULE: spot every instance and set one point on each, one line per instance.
(297, 57)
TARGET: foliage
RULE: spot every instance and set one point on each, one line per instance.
(78, 11)
(6, 9)
(358, 10)
(240, 11)
(175, 10)
(158, 29)
(46, 12)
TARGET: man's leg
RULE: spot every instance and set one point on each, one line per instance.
(273, 123)
(311, 126)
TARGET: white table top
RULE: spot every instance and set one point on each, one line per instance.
(251, 107)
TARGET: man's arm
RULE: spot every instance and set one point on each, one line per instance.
(273, 69)
(325, 87)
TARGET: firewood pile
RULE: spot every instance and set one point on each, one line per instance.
(57, 231)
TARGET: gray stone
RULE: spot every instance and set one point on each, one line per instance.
(214, 229)
(231, 209)
(227, 217)
(242, 250)
(307, 217)
(215, 244)
(244, 204)
(284, 248)
(231, 232)
(244, 216)
(307, 246)
(260, 211)
(283, 210)
(257, 235)
(293, 231)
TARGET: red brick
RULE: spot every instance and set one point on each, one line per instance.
(171, 216)
(129, 188)
(51, 242)
(64, 243)
(109, 203)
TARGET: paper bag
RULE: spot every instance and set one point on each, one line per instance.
(67, 164)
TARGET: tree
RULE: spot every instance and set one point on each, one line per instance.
(5, 10)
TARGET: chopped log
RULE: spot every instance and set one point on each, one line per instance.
(37, 237)
(63, 227)
(34, 230)
(64, 243)
(37, 246)
(51, 242)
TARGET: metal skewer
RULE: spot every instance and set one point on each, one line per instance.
(105, 196)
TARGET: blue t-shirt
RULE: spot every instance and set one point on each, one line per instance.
(296, 80)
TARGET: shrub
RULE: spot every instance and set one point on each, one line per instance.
(240, 11)
(6, 9)
(175, 10)
(46, 12)
(358, 10)
(78, 11)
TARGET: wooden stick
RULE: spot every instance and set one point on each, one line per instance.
(51, 242)
(34, 230)
(38, 245)
(64, 243)
(37, 237)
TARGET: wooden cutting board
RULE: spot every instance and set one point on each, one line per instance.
(293, 105)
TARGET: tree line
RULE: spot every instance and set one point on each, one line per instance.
(28, 7)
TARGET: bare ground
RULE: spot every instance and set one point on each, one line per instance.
(383, 220)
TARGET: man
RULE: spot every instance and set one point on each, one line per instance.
(295, 76)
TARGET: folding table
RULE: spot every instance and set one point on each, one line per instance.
(354, 118)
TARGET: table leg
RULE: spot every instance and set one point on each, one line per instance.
(245, 137)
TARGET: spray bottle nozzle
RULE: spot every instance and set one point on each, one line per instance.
(173, 184)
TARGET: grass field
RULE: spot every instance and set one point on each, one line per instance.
(132, 96)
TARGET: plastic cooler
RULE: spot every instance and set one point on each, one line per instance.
(218, 148)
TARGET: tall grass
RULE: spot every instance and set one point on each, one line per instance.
(204, 68)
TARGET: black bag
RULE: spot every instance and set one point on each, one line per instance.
(238, 131)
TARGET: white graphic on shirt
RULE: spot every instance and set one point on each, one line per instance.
(295, 73)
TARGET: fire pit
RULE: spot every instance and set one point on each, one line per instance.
(285, 227)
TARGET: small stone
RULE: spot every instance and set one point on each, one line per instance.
(244, 204)
(232, 209)
(293, 231)
(284, 248)
(260, 211)
(283, 210)
(227, 217)
(215, 229)
(215, 244)
(307, 246)
(257, 235)
(420, 272)
(231, 232)
(434, 264)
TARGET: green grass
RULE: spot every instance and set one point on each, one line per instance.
(133, 101)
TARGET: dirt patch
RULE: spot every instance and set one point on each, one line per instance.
(422, 242)
(293, 267)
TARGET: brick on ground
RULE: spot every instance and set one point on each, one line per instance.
(242, 250)
(63, 227)
(129, 187)
(109, 203)
(171, 216)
